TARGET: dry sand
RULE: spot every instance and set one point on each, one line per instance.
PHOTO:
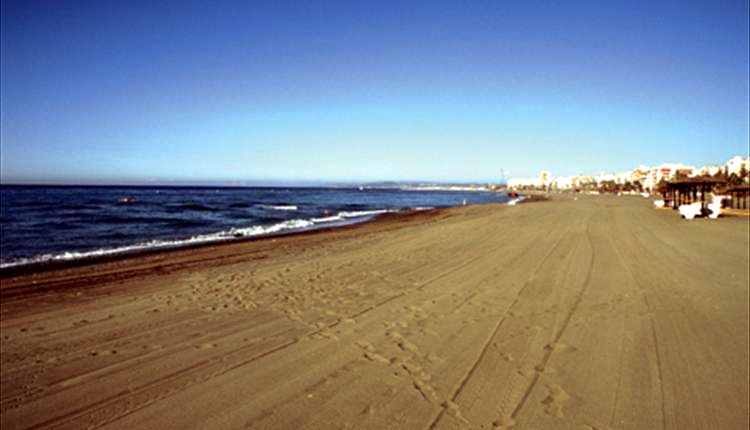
(595, 313)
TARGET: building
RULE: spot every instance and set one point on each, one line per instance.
(639, 175)
(642, 177)
(563, 183)
(519, 183)
(545, 178)
(666, 172)
(709, 170)
(735, 164)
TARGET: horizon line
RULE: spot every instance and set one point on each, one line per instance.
(243, 184)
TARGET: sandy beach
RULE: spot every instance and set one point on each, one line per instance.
(594, 312)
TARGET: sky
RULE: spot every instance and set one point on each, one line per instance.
(107, 92)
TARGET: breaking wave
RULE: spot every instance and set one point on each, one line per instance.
(288, 226)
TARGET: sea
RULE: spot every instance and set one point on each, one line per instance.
(47, 224)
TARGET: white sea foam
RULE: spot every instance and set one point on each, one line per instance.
(351, 215)
(257, 230)
(288, 226)
(358, 214)
(280, 207)
(327, 219)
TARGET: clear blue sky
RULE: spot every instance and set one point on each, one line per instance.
(130, 91)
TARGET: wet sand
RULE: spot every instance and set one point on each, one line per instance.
(594, 313)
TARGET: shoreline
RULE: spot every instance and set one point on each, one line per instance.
(27, 276)
(113, 254)
(142, 239)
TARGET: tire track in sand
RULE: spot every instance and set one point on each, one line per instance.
(167, 380)
(652, 324)
(452, 402)
(566, 322)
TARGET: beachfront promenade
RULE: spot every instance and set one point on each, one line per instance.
(595, 313)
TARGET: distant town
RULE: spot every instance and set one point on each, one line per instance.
(640, 179)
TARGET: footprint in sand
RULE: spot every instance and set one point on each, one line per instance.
(374, 356)
(325, 334)
(504, 422)
(363, 344)
(434, 358)
(425, 389)
(560, 347)
(526, 370)
(369, 352)
(206, 346)
(407, 346)
(452, 409)
(556, 398)
(94, 353)
(417, 313)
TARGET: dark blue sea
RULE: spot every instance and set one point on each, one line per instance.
(47, 224)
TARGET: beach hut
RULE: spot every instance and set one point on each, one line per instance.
(689, 191)
(739, 197)
(691, 196)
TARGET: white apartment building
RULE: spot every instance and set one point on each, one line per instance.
(648, 177)
(543, 181)
(735, 164)
(666, 171)
(708, 170)
(564, 183)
